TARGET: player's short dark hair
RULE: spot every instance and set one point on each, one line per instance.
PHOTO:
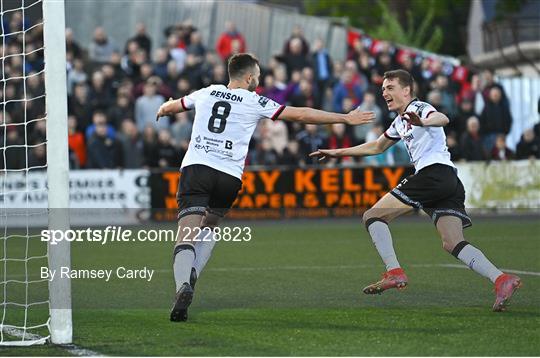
(240, 63)
(404, 78)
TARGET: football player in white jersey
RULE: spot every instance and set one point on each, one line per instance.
(225, 119)
(434, 188)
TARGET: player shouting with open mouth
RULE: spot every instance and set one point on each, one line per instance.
(435, 188)
(225, 119)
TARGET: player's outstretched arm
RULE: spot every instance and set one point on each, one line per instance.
(434, 119)
(370, 148)
(314, 116)
(170, 108)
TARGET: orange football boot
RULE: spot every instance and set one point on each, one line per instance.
(394, 278)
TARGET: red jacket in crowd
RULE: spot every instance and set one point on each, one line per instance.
(223, 46)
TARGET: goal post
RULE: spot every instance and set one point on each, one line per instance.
(54, 41)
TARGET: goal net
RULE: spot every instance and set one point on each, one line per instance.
(33, 172)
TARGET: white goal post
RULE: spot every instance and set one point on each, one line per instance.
(29, 314)
(54, 40)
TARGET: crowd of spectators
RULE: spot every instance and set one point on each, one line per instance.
(116, 89)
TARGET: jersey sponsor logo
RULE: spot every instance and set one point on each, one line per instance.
(211, 149)
(228, 144)
(263, 101)
(226, 95)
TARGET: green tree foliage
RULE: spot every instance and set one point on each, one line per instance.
(412, 35)
(436, 25)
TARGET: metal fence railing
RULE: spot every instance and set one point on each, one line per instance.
(264, 28)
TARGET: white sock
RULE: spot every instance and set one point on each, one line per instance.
(477, 261)
(183, 261)
(203, 249)
(381, 237)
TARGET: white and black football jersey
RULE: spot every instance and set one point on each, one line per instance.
(425, 145)
(225, 120)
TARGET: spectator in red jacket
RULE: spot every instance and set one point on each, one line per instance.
(223, 46)
(76, 142)
(340, 139)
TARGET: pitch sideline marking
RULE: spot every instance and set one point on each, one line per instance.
(343, 267)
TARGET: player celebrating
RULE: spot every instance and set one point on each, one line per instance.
(435, 188)
(225, 119)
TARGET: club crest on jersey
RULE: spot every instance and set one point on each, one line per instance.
(263, 101)
(420, 107)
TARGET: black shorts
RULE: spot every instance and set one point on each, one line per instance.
(437, 190)
(202, 189)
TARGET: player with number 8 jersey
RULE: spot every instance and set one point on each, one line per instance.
(225, 119)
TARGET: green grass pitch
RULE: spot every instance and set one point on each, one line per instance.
(296, 289)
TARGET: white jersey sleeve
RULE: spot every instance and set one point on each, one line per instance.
(188, 101)
(423, 109)
(391, 132)
(266, 108)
